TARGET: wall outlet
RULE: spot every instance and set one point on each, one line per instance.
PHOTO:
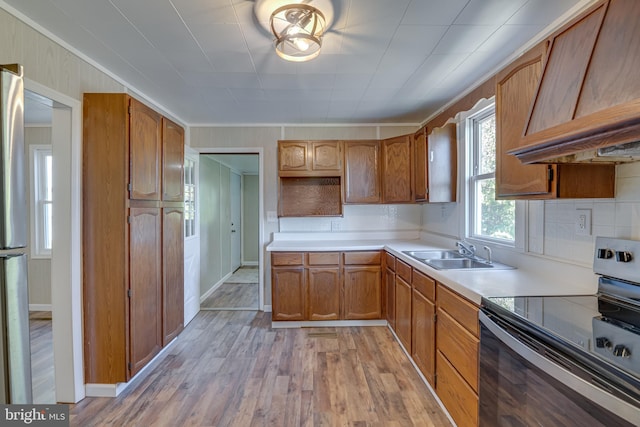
(583, 222)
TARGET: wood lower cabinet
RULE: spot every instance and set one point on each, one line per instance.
(390, 289)
(457, 344)
(132, 253)
(423, 324)
(145, 297)
(397, 170)
(326, 285)
(172, 273)
(362, 172)
(403, 304)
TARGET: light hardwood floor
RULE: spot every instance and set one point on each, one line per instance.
(230, 368)
(42, 371)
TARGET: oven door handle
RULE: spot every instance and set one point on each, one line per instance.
(591, 390)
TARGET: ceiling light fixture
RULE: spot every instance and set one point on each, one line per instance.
(298, 28)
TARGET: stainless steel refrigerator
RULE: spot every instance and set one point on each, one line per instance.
(15, 350)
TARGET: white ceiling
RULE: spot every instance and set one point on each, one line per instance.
(382, 61)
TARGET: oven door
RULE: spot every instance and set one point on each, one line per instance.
(520, 387)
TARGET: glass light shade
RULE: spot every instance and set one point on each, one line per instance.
(298, 29)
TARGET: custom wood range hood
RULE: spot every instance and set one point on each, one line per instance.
(587, 105)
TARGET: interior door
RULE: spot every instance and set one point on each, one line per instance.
(191, 236)
(236, 228)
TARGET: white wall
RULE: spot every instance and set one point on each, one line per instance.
(250, 218)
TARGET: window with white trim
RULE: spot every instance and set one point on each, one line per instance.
(190, 211)
(489, 219)
(41, 200)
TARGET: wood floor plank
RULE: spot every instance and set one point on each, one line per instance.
(232, 369)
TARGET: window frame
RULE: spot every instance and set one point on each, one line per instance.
(191, 182)
(37, 156)
(480, 111)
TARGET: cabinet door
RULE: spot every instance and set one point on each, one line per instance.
(288, 293)
(391, 297)
(514, 93)
(145, 151)
(324, 293)
(423, 334)
(145, 287)
(362, 172)
(397, 170)
(172, 274)
(420, 165)
(293, 156)
(172, 161)
(456, 395)
(362, 288)
(443, 164)
(326, 156)
(403, 312)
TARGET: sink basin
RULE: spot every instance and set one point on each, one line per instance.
(423, 255)
(456, 264)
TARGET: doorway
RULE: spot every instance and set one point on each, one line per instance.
(230, 231)
(64, 272)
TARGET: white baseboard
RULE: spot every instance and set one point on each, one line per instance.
(40, 307)
(250, 263)
(267, 308)
(113, 390)
(214, 287)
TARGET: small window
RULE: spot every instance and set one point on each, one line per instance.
(189, 198)
(41, 201)
(489, 219)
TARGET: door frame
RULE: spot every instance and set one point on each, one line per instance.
(66, 256)
(260, 152)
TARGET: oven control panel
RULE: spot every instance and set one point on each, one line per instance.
(617, 344)
(619, 258)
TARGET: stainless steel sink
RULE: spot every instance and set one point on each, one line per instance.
(456, 264)
(453, 260)
(423, 255)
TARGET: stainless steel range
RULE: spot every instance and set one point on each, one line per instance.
(566, 361)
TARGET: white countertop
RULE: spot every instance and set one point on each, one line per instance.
(472, 284)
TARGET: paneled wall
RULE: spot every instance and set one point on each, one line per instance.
(250, 218)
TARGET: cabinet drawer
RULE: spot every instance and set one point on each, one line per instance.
(424, 284)
(403, 270)
(459, 346)
(456, 395)
(459, 308)
(287, 258)
(362, 258)
(390, 261)
(324, 258)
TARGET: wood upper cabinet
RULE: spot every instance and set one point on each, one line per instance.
(145, 145)
(145, 300)
(421, 187)
(362, 172)
(516, 86)
(397, 170)
(310, 158)
(172, 273)
(588, 93)
(442, 161)
(172, 161)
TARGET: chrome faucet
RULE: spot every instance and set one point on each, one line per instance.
(466, 248)
(488, 249)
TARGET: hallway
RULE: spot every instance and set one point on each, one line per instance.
(238, 292)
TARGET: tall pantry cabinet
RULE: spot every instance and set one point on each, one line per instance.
(132, 235)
